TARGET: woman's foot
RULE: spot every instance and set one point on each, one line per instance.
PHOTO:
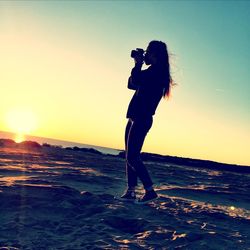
(147, 197)
(128, 196)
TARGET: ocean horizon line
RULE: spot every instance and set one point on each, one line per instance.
(105, 150)
(59, 142)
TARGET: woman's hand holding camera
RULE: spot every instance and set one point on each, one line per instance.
(139, 59)
(138, 56)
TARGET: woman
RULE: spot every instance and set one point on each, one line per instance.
(151, 85)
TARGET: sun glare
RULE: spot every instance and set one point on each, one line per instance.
(19, 138)
(21, 122)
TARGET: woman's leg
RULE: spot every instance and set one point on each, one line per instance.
(130, 172)
(136, 136)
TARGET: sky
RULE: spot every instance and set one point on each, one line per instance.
(64, 68)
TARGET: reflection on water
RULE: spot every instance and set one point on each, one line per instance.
(176, 236)
(144, 235)
(10, 180)
(61, 162)
(91, 171)
(214, 173)
(6, 160)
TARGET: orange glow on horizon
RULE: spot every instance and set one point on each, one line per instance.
(21, 121)
(19, 138)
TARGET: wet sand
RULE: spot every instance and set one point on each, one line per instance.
(53, 198)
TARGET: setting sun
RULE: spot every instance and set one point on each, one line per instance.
(21, 122)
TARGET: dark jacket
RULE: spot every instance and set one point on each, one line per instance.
(149, 85)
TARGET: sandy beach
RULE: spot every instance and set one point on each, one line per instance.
(54, 198)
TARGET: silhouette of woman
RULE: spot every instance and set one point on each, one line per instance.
(150, 86)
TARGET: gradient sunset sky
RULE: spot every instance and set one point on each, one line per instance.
(65, 64)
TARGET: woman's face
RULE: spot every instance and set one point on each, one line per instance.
(150, 57)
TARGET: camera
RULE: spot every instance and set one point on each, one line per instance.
(137, 53)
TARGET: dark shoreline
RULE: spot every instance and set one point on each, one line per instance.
(32, 145)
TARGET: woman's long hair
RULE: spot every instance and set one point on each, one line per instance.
(160, 50)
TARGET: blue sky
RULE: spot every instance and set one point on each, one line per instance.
(210, 38)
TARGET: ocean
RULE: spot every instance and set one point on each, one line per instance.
(55, 142)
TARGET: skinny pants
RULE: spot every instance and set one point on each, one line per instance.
(135, 133)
